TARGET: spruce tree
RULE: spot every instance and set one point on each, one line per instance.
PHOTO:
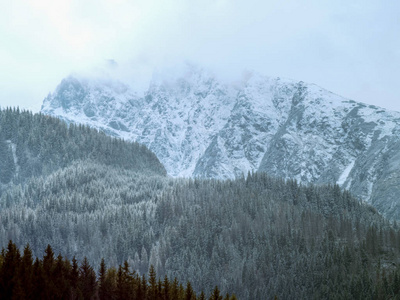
(87, 279)
(9, 271)
(166, 289)
(102, 280)
(216, 294)
(26, 270)
(152, 292)
(189, 293)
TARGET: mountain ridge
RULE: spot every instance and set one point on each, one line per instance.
(200, 126)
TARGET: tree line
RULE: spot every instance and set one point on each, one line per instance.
(26, 277)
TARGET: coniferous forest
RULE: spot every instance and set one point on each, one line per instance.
(23, 277)
(32, 145)
(90, 197)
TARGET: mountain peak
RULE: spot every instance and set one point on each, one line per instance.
(199, 125)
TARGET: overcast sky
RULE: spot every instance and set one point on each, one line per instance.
(351, 48)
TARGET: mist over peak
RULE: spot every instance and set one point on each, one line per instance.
(200, 125)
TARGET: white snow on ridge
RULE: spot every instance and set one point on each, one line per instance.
(345, 174)
(200, 126)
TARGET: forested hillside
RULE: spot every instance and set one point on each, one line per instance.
(89, 195)
(35, 144)
(256, 237)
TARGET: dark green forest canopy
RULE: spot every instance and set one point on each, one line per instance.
(24, 277)
(36, 144)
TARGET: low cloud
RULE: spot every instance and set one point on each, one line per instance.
(350, 48)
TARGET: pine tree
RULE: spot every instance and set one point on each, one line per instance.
(189, 294)
(166, 289)
(26, 270)
(121, 292)
(60, 279)
(129, 278)
(181, 291)
(74, 279)
(175, 289)
(48, 261)
(159, 289)
(39, 281)
(152, 292)
(202, 296)
(139, 289)
(216, 294)
(144, 287)
(9, 271)
(87, 279)
(103, 293)
(111, 282)
(125, 284)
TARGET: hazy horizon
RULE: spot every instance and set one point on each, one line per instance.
(351, 49)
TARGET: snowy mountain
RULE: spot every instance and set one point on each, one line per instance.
(201, 126)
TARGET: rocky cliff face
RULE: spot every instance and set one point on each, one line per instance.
(200, 126)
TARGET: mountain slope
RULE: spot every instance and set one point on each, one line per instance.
(200, 126)
(258, 237)
(90, 195)
(32, 145)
